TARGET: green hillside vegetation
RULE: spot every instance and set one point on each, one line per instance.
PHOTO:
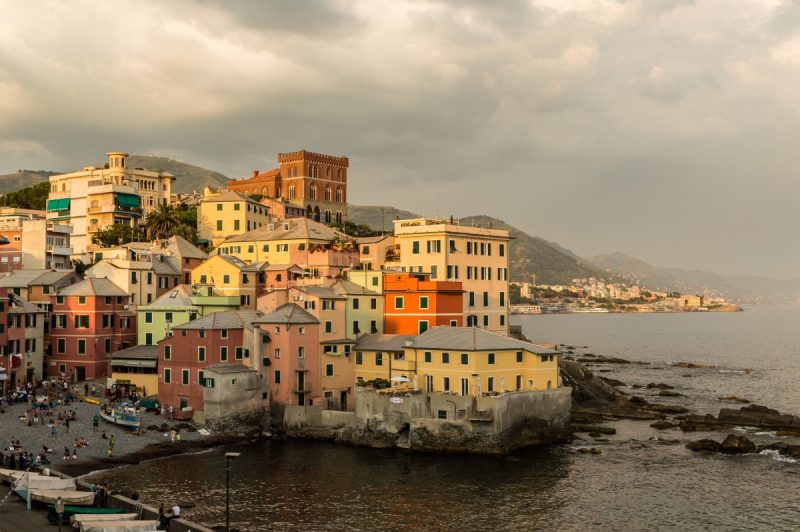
(188, 177)
(379, 218)
(34, 197)
(23, 178)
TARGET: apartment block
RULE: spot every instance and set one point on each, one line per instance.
(222, 214)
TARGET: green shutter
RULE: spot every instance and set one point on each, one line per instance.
(61, 204)
(127, 200)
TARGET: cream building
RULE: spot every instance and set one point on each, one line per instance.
(97, 197)
(476, 256)
(224, 214)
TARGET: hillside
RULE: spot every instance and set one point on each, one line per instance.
(551, 263)
(740, 288)
(188, 177)
(23, 178)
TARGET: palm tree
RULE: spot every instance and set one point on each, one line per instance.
(161, 222)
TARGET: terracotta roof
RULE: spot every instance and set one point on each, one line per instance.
(93, 286)
(288, 314)
(290, 229)
(472, 339)
(229, 319)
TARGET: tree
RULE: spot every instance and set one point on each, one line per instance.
(186, 231)
(161, 222)
(187, 215)
(34, 197)
(113, 235)
(356, 230)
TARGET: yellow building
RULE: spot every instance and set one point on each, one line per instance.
(465, 361)
(97, 197)
(136, 366)
(222, 214)
(231, 277)
(476, 256)
(315, 247)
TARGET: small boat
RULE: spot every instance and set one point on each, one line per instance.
(120, 526)
(75, 498)
(79, 519)
(35, 480)
(123, 415)
(91, 401)
(69, 511)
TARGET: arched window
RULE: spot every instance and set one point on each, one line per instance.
(327, 217)
(339, 196)
(328, 173)
(264, 191)
(327, 193)
(291, 192)
(312, 192)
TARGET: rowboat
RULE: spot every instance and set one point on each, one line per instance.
(124, 416)
(91, 401)
(69, 511)
(35, 480)
(120, 526)
(77, 498)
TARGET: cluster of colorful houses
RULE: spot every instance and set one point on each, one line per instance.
(270, 306)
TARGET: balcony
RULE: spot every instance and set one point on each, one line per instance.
(114, 209)
(59, 250)
(305, 389)
(103, 186)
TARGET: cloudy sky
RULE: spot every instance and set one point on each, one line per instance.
(665, 129)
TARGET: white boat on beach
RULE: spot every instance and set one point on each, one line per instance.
(36, 480)
(50, 496)
(120, 526)
(80, 519)
(124, 416)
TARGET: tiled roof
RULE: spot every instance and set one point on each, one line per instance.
(290, 229)
(383, 342)
(146, 352)
(472, 339)
(228, 195)
(21, 278)
(351, 288)
(372, 239)
(180, 296)
(51, 277)
(228, 368)
(322, 292)
(93, 286)
(179, 246)
(230, 319)
(288, 314)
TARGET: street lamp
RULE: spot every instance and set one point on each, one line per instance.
(228, 457)
(60, 511)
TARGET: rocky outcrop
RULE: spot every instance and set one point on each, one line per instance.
(703, 446)
(737, 445)
(664, 424)
(750, 415)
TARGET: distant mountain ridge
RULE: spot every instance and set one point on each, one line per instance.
(23, 178)
(741, 288)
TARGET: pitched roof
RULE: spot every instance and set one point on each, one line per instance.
(21, 306)
(383, 342)
(290, 229)
(351, 288)
(288, 314)
(51, 277)
(228, 368)
(472, 339)
(372, 239)
(158, 266)
(146, 352)
(93, 286)
(180, 296)
(229, 319)
(228, 195)
(20, 278)
(178, 246)
(323, 292)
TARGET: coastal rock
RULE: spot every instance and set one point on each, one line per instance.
(691, 365)
(669, 393)
(737, 445)
(612, 382)
(660, 385)
(703, 446)
(669, 409)
(636, 399)
(734, 399)
(664, 424)
(578, 427)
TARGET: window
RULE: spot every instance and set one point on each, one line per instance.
(423, 302)
(453, 323)
(379, 359)
(355, 303)
(237, 206)
(277, 352)
(107, 345)
(445, 358)
(219, 206)
(428, 356)
(486, 299)
(373, 303)
(415, 247)
(236, 225)
(148, 317)
(434, 271)
(329, 370)
(445, 384)
(472, 299)
(519, 356)
(149, 277)
(464, 359)
(82, 300)
(265, 247)
(328, 304)
(185, 377)
(223, 354)
(301, 330)
(148, 339)
(328, 326)
(502, 299)
(239, 353)
(203, 279)
(486, 320)
(61, 345)
(502, 320)
(201, 333)
(167, 352)
(223, 333)
(422, 326)
(452, 246)
(81, 321)
(301, 352)
(201, 353)
(219, 225)
(490, 384)
(133, 278)
(201, 378)
(81, 346)
(375, 281)
(277, 376)
(490, 358)
(167, 376)
(398, 302)
(359, 357)
(502, 250)
(365, 250)
(226, 279)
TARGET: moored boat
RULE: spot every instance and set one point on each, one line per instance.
(50, 496)
(120, 526)
(69, 511)
(79, 519)
(36, 480)
(123, 415)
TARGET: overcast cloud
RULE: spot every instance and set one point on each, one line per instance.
(664, 129)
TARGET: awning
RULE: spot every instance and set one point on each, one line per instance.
(128, 200)
(61, 204)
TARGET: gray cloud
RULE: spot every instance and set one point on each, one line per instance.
(662, 129)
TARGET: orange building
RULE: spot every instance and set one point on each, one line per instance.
(414, 303)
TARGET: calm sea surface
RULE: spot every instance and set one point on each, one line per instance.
(636, 483)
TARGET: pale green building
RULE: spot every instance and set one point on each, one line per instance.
(182, 304)
(363, 311)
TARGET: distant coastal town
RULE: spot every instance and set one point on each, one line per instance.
(591, 295)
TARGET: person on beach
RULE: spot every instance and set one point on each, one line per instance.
(172, 436)
(74, 456)
(66, 456)
(52, 425)
(111, 441)
(66, 425)
(95, 422)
